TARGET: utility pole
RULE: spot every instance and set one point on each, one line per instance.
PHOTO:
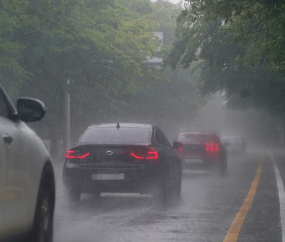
(66, 135)
(281, 135)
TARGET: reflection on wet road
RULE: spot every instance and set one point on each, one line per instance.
(206, 211)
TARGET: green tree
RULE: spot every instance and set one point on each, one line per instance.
(99, 45)
(234, 47)
(102, 48)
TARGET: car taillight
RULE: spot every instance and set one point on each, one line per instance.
(217, 148)
(138, 155)
(211, 147)
(72, 154)
(149, 154)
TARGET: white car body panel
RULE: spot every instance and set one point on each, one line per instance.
(21, 166)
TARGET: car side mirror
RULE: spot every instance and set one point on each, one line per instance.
(177, 145)
(30, 109)
(226, 144)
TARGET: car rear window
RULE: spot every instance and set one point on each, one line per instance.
(116, 136)
(195, 138)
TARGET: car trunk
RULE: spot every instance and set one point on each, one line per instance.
(119, 156)
(193, 150)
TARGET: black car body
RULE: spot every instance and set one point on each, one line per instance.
(128, 158)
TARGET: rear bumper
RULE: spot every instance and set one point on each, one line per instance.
(199, 163)
(199, 166)
(136, 180)
(235, 150)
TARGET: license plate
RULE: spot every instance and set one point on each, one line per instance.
(119, 176)
(193, 160)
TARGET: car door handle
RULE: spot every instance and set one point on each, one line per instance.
(7, 138)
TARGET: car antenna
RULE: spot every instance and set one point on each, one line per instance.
(118, 126)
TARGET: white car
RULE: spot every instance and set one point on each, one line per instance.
(27, 184)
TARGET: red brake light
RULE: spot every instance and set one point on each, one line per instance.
(217, 148)
(149, 154)
(152, 155)
(71, 154)
(82, 156)
(211, 147)
(207, 147)
(137, 156)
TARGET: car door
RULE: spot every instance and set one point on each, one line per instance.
(174, 160)
(3, 198)
(12, 170)
(165, 153)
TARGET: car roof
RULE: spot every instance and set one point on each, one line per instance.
(204, 133)
(122, 125)
(230, 137)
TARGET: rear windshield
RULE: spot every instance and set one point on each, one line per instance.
(195, 138)
(116, 136)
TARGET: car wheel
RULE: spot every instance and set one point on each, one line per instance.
(43, 223)
(163, 194)
(164, 189)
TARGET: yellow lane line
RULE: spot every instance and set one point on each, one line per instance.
(58, 190)
(234, 230)
(58, 194)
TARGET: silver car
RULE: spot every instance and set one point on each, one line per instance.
(27, 186)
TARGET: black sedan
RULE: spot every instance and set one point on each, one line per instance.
(122, 158)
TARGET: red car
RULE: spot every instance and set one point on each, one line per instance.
(201, 151)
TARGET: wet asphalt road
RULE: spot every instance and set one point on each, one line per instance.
(205, 212)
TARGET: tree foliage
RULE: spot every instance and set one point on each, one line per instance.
(102, 48)
(236, 47)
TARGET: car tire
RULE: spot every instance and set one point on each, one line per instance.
(43, 222)
(164, 189)
(163, 194)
